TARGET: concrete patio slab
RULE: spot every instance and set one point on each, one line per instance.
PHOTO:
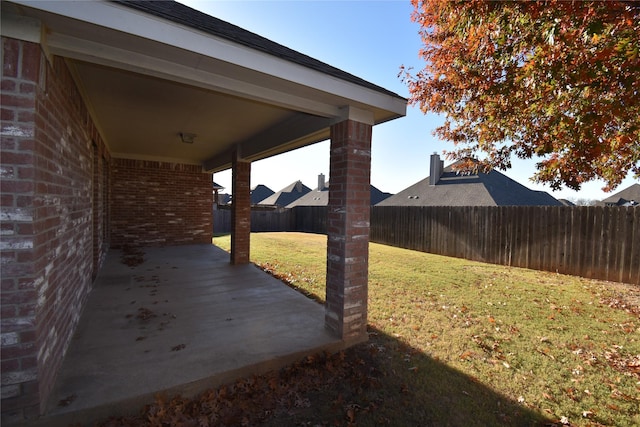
(182, 321)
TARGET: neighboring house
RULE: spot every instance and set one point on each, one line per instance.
(259, 193)
(444, 187)
(287, 195)
(319, 196)
(95, 156)
(224, 199)
(630, 196)
(216, 196)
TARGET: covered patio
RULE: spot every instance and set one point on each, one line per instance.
(116, 115)
(181, 321)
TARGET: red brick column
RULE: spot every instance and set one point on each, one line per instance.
(240, 211)
(348, 230)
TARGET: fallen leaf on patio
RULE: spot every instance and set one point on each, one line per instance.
(131, 256)
(178, 347)
(351, 415)
(67, 400)
(140, 338)
(145, 314)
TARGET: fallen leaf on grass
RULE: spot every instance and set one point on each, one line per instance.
(466, 355)
(546, 352)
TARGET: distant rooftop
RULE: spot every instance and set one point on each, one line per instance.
(287, 195)
(630, 196)
(481, 189)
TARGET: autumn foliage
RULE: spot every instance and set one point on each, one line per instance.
(558, 81)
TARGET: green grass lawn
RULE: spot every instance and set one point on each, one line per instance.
(455, 342)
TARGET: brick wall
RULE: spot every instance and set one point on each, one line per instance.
(49, 152)
(158, 203)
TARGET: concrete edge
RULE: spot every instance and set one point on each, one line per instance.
(132, 406)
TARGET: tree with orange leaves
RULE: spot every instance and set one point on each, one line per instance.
(554, 80)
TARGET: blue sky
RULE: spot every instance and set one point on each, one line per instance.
(370, 39)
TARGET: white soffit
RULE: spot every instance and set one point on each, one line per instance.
(200, 57)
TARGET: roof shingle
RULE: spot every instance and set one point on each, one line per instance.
(182, 14)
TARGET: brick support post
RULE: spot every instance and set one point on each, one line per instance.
(240, 211)
(348, 230)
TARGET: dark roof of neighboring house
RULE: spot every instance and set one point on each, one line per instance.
(482, 189)
(259, 193)
(224, 198)
(321, 197)
(287, 195)
(217, 186)
(181, 14)
(624, 197)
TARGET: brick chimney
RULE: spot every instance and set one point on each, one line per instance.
(321, 182)
(436, 168)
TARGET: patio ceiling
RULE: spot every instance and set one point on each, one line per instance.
(148, 73)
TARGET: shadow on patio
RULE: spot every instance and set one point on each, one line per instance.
(180, 322)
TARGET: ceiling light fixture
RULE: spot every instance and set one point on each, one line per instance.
(187, 138)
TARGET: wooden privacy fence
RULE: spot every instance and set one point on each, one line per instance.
(261, 220)
(595, 242)
(310, 219)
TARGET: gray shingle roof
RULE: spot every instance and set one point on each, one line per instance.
(287, 195)
(482, 189)
(317, 197)
(259, 193)
(181, 14)
(624, 196)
